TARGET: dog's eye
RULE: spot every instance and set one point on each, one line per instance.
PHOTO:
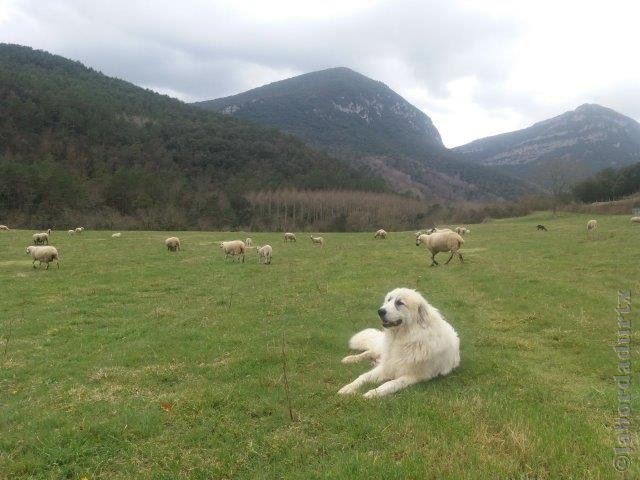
(399, 303)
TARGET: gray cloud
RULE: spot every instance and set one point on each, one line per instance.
(201, 50)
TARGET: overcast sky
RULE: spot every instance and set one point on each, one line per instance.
(477, 68)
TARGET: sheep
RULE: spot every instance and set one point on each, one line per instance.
(264, 254)
(461, 231)
(5, 228)
(317, 240)
(49, 231)
(79, 229)
(441, 241)
(541, 227)
(592, 225)
(71, 232)
(116, 235)
(290, 237)
(381, 234)
(249, 242)
(40, 238)
(43, 255)
(633, 220)
(436, 229)
(233, 248)
(172, 243)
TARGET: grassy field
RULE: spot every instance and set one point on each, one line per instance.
(131, 362)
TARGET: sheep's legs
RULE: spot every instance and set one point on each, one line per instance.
(34, 264)
(433, 260)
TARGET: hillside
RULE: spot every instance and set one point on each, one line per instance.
(609, 184)
(591, 138)
(76, 146)
(363, 120)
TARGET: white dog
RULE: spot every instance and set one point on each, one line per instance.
(416, 345)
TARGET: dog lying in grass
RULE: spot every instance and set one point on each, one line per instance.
(417, 344)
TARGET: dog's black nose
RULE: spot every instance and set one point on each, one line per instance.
(381, 312)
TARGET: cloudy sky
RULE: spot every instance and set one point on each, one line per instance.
(475, 67)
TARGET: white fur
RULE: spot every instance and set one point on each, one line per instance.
(416, 345)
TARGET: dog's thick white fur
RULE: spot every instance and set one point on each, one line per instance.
(417, 344)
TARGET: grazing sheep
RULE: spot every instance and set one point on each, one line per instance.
(592, 224)
(249, 242)
(264, 254)
(317, 240)
(441, 241)
(233, 248)
(71, 232)
(116, 235)
(43, 255)
(49, 231)
(461, 230)
(172, 243)
(4, 227)
(541, 227)
(290, 237)
(381, 234)
(40, 238)
(633, 220)
(79, 229)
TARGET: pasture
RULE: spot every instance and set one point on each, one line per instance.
(133, 362)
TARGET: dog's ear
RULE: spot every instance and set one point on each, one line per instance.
(423, 314)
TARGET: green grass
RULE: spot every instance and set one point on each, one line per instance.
(90, 354)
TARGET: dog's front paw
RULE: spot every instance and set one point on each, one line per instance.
(371, 394)
(346, 390)
(349, 359)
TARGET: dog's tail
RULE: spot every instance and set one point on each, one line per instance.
(368, 339)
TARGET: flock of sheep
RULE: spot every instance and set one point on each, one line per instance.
(435, 240)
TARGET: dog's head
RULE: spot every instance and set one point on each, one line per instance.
(403, 307)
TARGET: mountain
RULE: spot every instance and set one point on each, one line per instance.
(76, 145)
(363, 120)
(337, 109)
(590, 138)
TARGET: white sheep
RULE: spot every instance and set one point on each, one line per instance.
(79, 229)
(40, 238)
(249, 242)
(45, 254)
(317, 240)
(633, 220)
(461, 231)
(592, 225)
(71, 232)
(381, 234)
(264, 254)
(172, 243)
(116, 235)
(233, 248)
(290, 237)
(441, 241)
(4, 227)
